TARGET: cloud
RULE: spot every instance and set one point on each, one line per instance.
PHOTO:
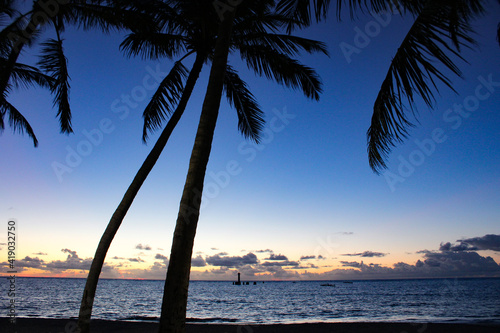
(309, 265)
(160, 256)
(434, 265)
(198, 261)
(135, 260)
(487, 242)
(236, 261)
(156, 271)
(277, 257)
(450, 261)
(73, 265)
(72, 262)
(220, 271)
(163, 258)
(366, 254)
(72, 254)
(143, 247)
(463, 263)
(351, 264)
(22, 264)
(40, 254)
(29, 262)
(460, 247)
(285, 263)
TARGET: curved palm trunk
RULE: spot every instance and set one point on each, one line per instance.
(173, 312)
(128, 198)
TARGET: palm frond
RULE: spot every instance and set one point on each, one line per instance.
(283, 69)
(167, 16)
(302, 13)
(53, 62)
(106, 15)
(436, 34)
(151, 45)
(376, 6)
(287, 44)
(164, 99)
(16, 120)
(260, 23)
(11, 34)
(28, 76)
(250, 120)
(6, 8)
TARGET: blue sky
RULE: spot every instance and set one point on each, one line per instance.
(307, 190)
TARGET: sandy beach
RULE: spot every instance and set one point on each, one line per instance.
(31, 325)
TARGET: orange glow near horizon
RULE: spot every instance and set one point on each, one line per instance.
(150, 270)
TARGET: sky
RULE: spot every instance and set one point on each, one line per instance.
(304, 204)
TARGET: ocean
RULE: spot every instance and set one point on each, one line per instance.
(429, 300)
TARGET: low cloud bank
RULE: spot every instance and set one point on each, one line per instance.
(452, 260)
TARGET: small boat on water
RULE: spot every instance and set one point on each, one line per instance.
(327, 285)
(348, 282)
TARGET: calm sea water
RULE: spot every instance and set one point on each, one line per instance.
(464, 300)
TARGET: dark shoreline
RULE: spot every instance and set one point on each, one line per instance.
(36, 325)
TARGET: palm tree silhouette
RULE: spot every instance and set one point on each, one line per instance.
(441, 29)
(176, 36)
(22, 31)
(14, 74)
(267, 56)
(192, 27)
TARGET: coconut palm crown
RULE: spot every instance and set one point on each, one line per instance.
(191, 27)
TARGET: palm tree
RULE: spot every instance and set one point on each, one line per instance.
(264, 61)
(21, 32)
(440, 30)
(152, 45)
(192, 27)
(173, 312)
